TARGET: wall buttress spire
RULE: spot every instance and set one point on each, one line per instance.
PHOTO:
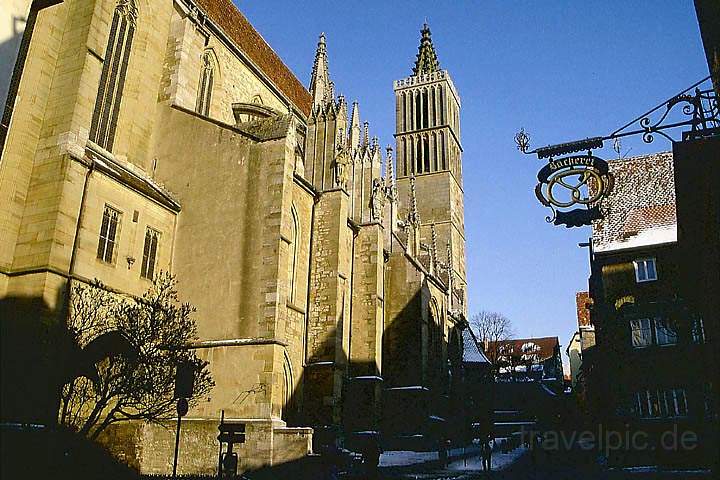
(355, 126)
(321, 88)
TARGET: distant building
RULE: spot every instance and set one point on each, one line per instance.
(528, 359)
(582, 340)
(574, 353)
(646, 372)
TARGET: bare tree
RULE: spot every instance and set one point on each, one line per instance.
(126, 351)
(491, 328)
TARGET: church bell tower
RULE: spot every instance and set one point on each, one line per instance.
(429, 154)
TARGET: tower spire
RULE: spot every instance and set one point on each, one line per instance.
(321, 88)
(427, 61)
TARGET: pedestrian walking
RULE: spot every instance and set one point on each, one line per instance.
(486, 453)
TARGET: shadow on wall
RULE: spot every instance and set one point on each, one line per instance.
(34, 352)
(344, 400)
(423, 396)
(8, 54)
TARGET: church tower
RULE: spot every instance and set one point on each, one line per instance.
(429, 165)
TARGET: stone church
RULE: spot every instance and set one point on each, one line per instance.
(328, 272)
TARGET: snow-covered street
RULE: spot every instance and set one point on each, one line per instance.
(518, 464)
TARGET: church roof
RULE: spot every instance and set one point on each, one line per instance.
(427, 61)
(471, 350)
(239, 29)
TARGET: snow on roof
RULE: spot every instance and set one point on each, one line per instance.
(651, 236)
(471, 350)
(547, 346)
(640, 210)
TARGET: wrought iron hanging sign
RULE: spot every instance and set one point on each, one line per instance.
(585, 180)
(582, 180)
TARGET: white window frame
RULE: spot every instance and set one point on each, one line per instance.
(648, 336)
(641, 270)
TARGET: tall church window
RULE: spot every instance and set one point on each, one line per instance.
(108, 232)
(147, 269)
(294, 250)
(425, 108)
(408, 113)
(418, 110)
(112, 78)
(442, 105)
(442, 150)
(426, 152)
(433, 101)
(207, 77)
(404, 157)
(418, 155)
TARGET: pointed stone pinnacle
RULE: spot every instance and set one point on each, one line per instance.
(427, 61)
(321, 87)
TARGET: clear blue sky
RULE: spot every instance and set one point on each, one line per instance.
(563, 70)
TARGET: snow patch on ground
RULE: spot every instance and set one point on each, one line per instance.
(402, 458)
(499, 460)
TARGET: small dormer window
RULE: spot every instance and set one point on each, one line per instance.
(645, 270)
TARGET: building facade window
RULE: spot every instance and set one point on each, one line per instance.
(112, 78)
(207, 78)
(641, 332)
(664, 333)
(658, 403)
(652, 331)
(108, 233)
(645, 270)
(698, 330)
(152, 238)
(708, 400)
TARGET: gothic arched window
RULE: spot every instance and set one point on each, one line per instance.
(426, 112)
(418, 109)
(433, 101)
(112, 79)
(426, 152)
(294, 251)
(207, 76)
(418, 155)
(442, 150)
(403, 154)
(442, 105)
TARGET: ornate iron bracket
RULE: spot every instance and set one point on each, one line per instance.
(699, 104)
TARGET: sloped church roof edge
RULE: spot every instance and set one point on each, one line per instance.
(240, 30)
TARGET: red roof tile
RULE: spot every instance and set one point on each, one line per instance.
(226, 15)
